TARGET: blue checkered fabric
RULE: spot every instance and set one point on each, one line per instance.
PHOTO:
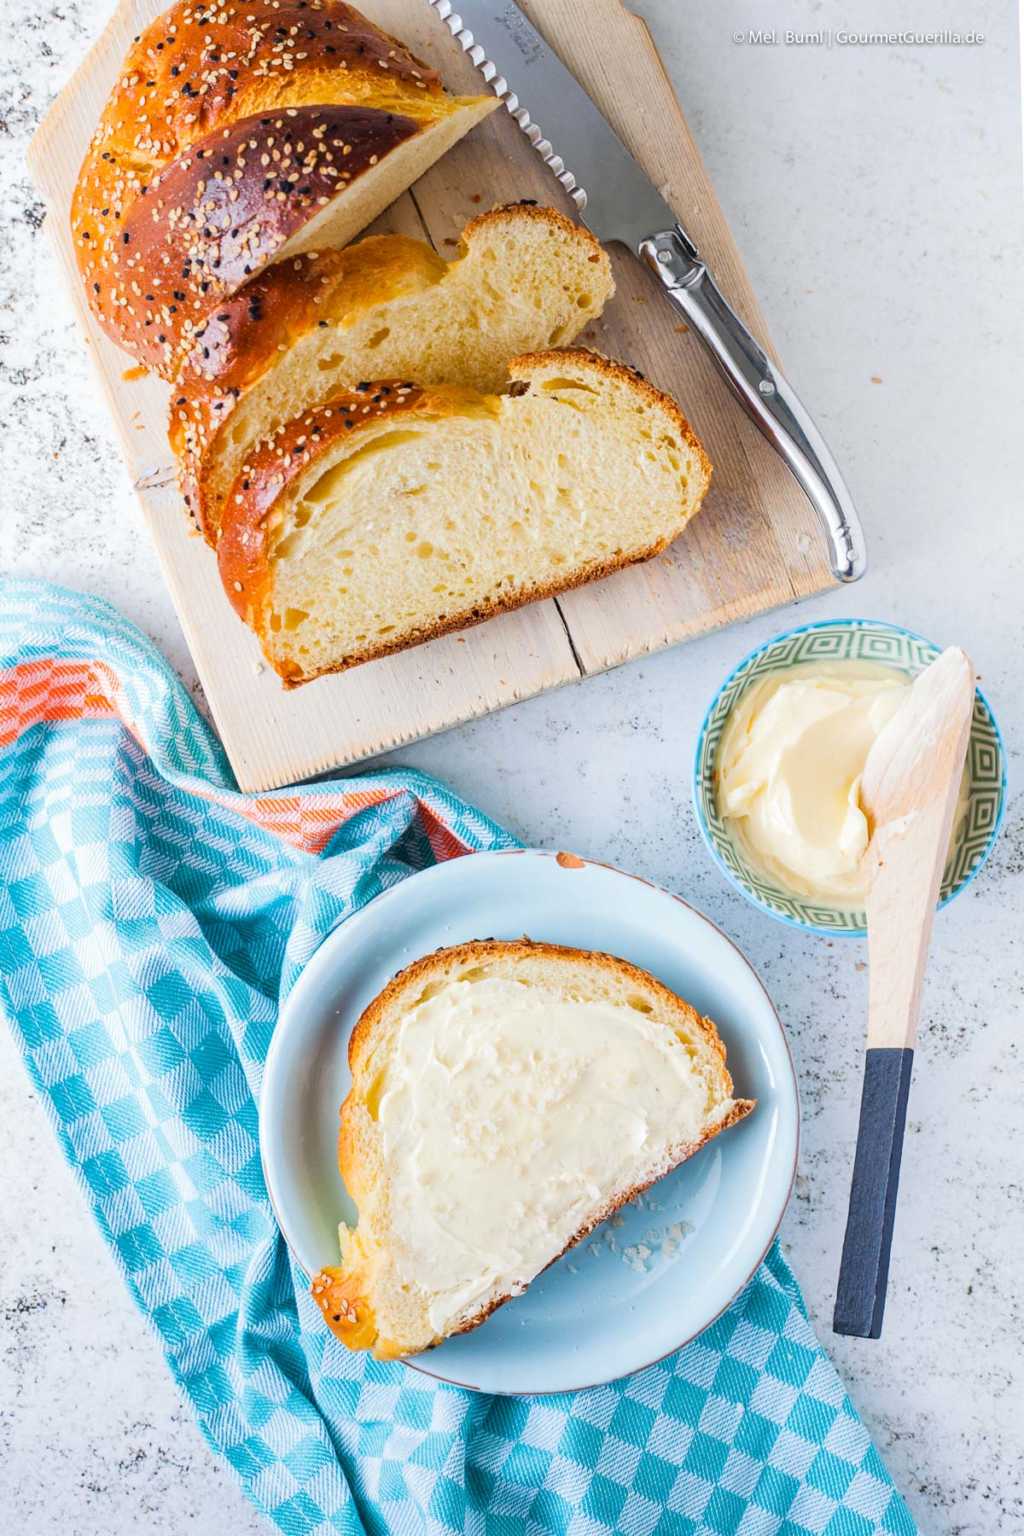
(150, 924)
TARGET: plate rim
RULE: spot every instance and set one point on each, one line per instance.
(414, 1362)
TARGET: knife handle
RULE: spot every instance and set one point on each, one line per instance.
(764, 394)
(864, 1267)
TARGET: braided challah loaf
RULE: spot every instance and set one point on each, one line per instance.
(240, 132)
(337, 410)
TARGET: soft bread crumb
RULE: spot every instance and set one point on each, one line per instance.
(387, 307)
(387, 517)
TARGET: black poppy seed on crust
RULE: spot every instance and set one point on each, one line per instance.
(216, 227)
(194, 70)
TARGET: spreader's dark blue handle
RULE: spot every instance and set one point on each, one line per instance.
(864, 1269)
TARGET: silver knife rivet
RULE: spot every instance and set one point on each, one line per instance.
(766, 387)
(664, 257)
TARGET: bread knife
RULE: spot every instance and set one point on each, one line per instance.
(617, 202)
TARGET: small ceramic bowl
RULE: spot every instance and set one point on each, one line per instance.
(846, 640)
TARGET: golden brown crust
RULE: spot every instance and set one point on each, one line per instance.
(350, 1316)
(243, 550)
(197, 70)
(240, 337)
(223, 209)
(340, 1294)
(347, 1313)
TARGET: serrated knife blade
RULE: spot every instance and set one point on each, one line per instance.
(612, 193)
(616, 200)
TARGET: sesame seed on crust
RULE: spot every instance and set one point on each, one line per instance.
(202, 66)
(217, 214)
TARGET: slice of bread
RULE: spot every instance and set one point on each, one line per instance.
(506, 1097)
(396, 513)
(386, 307)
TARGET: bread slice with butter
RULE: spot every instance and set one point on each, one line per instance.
(398, 512)
(386, 307)
(506, 1098)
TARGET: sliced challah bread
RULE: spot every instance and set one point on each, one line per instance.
(240, 131)
(506, 1097)
(386, 307)
(399, 512)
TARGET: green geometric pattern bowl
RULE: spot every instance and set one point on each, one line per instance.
(847, 640)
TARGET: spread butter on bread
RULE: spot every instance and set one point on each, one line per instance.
(398, 512)
(506, 1098)
(386, 307)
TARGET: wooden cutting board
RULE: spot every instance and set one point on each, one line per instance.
(754, 546)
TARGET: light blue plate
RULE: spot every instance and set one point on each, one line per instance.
(595, 1315)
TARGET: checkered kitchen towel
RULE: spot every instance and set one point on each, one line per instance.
(151, 920)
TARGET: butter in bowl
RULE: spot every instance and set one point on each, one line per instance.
(778, 764)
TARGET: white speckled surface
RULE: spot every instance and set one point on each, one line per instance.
(876, 196)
